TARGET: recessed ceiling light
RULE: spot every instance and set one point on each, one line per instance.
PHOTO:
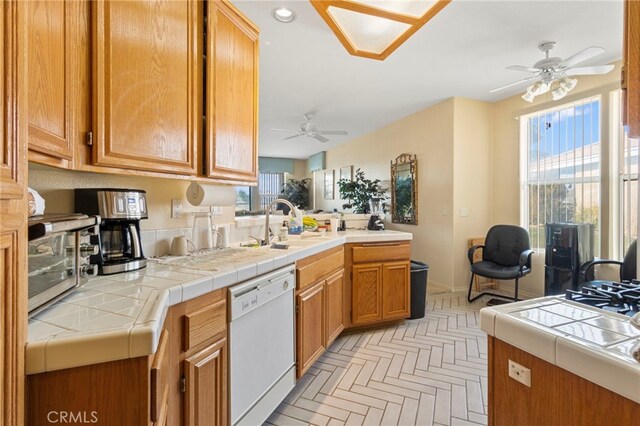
(282, 14)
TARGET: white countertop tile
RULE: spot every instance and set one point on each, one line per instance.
(119, 316)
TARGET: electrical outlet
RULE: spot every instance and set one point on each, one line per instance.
(215, 210)
(464, 212)
(176, 208)
(520, 373)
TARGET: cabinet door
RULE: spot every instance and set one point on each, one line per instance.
(366, 299)
(310, 327)
(13, 274)
(396, 302)
(55, 82)
(631, 76)
(231, 95)
(334, 307)
(146, 96)
(206, 386)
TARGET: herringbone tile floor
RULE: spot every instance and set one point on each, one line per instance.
(429, 371)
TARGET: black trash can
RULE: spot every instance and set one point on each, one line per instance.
(419, 272)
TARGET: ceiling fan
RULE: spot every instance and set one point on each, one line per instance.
(551, 69)
(310, 130)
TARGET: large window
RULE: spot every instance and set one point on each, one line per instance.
(629, 192)
(561, 168)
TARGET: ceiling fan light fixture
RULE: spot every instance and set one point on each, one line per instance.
(568, 83)
(528, 96)
(373, 28)
(282, 14)
(558, 93)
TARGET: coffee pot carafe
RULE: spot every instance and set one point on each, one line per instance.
(119, 242)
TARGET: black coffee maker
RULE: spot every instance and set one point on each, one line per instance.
(377, 215)
(119, 238)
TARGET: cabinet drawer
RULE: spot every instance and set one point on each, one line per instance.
(319, 266)
(378, 252)
(204, 324)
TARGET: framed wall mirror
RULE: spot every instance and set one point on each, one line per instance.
(404, 189)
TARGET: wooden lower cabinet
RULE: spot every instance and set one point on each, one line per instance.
(334, 302)
(378, 288)
(132, 391)
(310, 326)
(205, 396)
(319, 305)
(198, 394)
(556, 396)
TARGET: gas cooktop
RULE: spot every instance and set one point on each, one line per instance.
(620, 297)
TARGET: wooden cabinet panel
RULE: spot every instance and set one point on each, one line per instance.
(396, 301)
(53, 51)
(631, 74)
(12, 96)
(159, 387)
(317, 267)
(334, 306)
(146, 97)
(381, 252)
(556, 396)
(231, 94)
(204, 324)
(310, 326)
(13, 165)
(206, 386)
(366, 293)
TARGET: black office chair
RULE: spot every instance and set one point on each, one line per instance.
(506, 255)
(628, 266)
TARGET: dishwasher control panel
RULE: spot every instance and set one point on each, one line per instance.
(251, 294)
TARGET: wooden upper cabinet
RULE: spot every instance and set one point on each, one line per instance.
(58, 91)
(367, 293)
(12, 62)
(231, 139)
(206, 386)
(396, 302)
(147, 84)
(631, 74)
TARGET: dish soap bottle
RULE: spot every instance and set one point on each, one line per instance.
(284, 232)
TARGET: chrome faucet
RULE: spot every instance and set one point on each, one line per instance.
(267, 238)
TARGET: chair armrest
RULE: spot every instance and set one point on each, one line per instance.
(525, 259)
(584, 269)
(471, 252)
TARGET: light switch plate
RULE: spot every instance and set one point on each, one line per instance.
(464, 212)
(520, 373)
(176, 208)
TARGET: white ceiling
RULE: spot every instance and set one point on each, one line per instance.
(462, 51)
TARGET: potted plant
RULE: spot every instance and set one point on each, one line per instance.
(359, 191)
(297, 192)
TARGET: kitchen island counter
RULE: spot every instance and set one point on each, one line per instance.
(120, 316)
(591, 343)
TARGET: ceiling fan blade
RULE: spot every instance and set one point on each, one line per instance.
(292, 137)
(522, 68)
(284, 130)
(513, 84)
(321, 138)
(602, 69)
(587, 53)
(333, 132)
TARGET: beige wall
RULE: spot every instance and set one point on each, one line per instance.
(56, 186)
(471, 180)
(505, 154)
(430, 135)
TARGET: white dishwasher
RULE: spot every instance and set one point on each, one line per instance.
(262, 345)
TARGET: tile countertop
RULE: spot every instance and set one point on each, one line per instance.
(120, 316)
(590, 342)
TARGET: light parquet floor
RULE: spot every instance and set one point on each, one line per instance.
(429, 371)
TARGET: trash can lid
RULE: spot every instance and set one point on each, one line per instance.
(419, 266)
